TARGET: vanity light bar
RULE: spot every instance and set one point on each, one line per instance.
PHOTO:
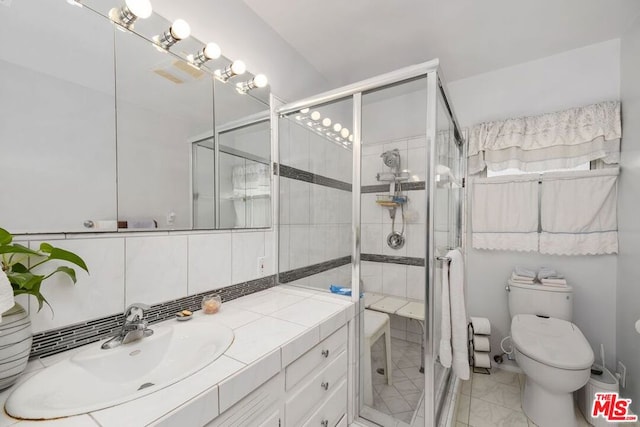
(322, 127)
(131, 11)
(179, 30)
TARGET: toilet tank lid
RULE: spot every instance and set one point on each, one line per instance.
(539, 287)
(551, 341)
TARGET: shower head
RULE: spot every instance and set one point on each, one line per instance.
(391, 159)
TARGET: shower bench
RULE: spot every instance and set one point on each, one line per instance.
(402, 307)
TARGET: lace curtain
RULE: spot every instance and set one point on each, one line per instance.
(558, 140)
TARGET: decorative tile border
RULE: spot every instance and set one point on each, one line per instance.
(301, 175)
(310, 270)
(404, 260)
(384, 188)
(55, 341)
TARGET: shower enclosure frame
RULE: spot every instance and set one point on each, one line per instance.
(435, 85)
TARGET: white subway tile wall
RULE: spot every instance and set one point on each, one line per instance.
(148, 268)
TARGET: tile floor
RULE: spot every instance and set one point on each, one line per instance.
(494, 401)
(401, 399)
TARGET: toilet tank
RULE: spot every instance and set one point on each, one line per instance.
(542, 300)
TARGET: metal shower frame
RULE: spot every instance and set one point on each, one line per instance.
(435, 85)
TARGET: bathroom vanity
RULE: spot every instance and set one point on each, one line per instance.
(287, 366)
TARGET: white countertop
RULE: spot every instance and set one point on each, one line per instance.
(272, 328)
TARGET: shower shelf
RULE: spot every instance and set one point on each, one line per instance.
(388, 201)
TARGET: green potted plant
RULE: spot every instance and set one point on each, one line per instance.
(18, 276)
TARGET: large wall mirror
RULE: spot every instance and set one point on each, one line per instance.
(108, 132)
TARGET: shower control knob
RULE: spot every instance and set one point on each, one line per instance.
(325, 353)
(324, 423)
(325, 385)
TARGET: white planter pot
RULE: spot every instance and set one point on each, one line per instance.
(15, 344)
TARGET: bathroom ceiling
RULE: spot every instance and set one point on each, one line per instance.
(347, 41)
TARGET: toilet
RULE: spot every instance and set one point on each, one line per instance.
(552, 352)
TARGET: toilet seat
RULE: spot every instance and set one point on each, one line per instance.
(553, 342)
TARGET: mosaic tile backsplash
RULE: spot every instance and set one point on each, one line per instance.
(56, 341)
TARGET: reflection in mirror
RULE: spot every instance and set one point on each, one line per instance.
(163, 106)
(57, 138)
(245, 175)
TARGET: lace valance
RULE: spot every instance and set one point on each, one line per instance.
(558, 140)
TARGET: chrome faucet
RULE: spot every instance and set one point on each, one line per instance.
(133, 328)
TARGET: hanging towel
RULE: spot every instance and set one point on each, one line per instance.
(445, 322)
(6, 294)
(504, 213)
(481, 325)
(578, 213)
(459, 339)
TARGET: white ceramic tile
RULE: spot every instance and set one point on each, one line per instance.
(415, 208)
(247, 247)
(416, 161)
(319, 200)
(485, 414)
(370, 212)
(97, 294)
(371, 238)
(298, 246)
(299, 202)
(372, 284)
(285, 195)
(495, 392)
(299, 345)
(266, 302)
(255, 339)
(209, 262)
(416, 282)
(234, 317)
(394, 280)
(299, 148)
(317, 244)
(284, 252)
(416, 240)
(308, 312)
(270, 252)
(196, 412)
(151, 407)
(156, 269)
(371, 165)
(233, 389)
(420, 141)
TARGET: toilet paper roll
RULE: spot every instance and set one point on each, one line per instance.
(481, 359)
(481, 325)
(481, 343)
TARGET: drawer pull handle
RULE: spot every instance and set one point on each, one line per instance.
(325, 385)
(324, 423)
(325, 353)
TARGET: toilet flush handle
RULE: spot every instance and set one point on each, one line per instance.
(507, 288)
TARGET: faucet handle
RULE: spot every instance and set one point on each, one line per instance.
(136, 311)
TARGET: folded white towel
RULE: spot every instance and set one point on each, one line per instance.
(481, 325)
(514, 276)
(481, 343)
(549, 273)
(559, 283)
(524, 272)
(518, 282)
(6, 294)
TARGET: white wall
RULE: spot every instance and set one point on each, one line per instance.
(570, 79)
(628, 292)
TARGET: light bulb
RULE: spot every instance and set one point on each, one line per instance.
(326, 122)
(260, 80)
(180, 29)
(310, 124)
(212, 51)
(350, 138)
(298, 117)
(344, 132)
(304, 110)
(140, 8)
(238, 67)
(315, 115)
(337, 127)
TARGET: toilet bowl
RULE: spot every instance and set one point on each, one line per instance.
(556, 359)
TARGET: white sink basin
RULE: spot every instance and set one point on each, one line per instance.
(95, 378)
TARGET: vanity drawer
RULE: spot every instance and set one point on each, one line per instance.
(300, 404)
(332, 411)
(316, 358)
